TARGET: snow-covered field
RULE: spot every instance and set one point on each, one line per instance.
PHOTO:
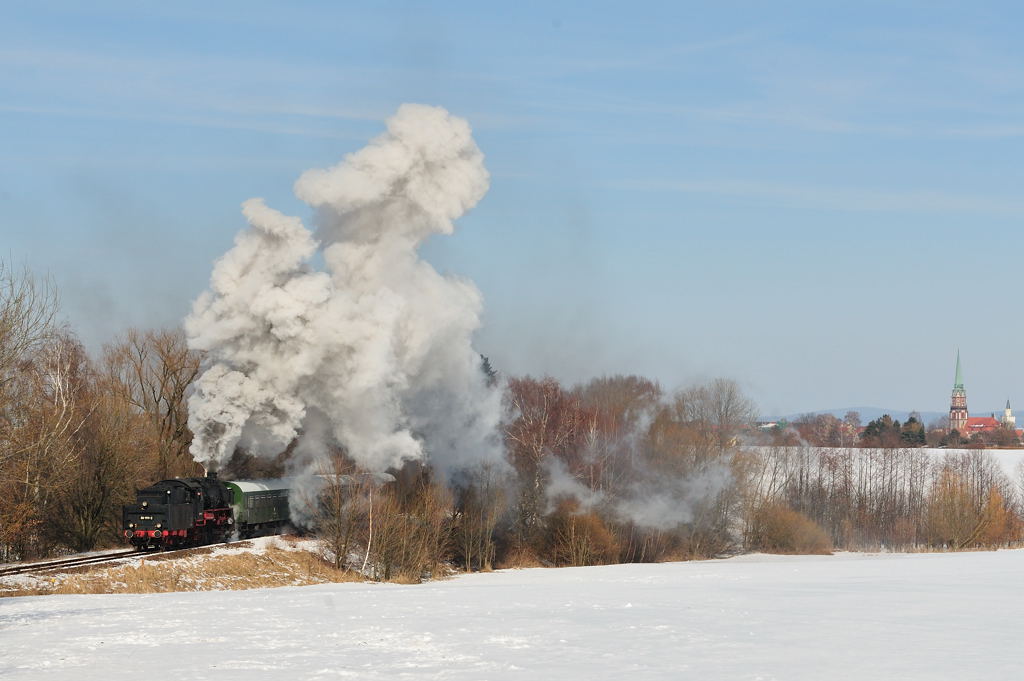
(849, 616)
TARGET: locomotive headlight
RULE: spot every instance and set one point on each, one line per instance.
(131, 524)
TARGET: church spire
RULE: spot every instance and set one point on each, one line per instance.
(958, 403)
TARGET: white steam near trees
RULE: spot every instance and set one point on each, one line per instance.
(375, 352)
(372, 355)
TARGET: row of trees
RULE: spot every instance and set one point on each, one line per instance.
(614, 470)
(826, 430)
(886, 431)
(610, 471)
(892, 497)
(78, 434)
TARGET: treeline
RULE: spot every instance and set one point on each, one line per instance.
(610, 471)
(896, 498)
(79, 434)
(613, 470)
(826, 430)
(616, 471)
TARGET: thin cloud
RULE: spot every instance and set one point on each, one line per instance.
(927, 201)
(187, 120)
(986, 131)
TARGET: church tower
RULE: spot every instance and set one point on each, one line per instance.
(1009, 420)
(958, 404)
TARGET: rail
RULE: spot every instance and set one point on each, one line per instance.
(46, 566)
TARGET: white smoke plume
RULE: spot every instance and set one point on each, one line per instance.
(655, 502)
(562, 484)
(663, 503)
(374, 352)
(650, 499)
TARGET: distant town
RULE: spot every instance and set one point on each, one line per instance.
(957, 429)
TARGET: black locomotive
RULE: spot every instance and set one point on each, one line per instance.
(180, 512)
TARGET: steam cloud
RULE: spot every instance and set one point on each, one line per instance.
(653, 502)
(651, 499)
(373, 352)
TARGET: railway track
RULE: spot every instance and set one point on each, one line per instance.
(49, 565)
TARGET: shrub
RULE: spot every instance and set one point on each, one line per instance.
(580, 538)
(409, 533)
(517, 557)
(776, 528)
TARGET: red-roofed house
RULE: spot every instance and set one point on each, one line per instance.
(981, 424)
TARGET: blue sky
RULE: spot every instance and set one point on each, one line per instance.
(820, 200)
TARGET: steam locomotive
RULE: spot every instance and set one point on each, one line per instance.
(196, 511)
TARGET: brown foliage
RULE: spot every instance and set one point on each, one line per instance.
(1002, 526)
(580, 538)
(961, 516)
(520, 557)
(779, 529)
(40, 422)
(152, 370)
(409, 529)
(108, 461)
(548, 421)
(76, 438)
(642, 545)
(340, 508)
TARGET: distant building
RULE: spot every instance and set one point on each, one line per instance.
(966, 425)
(958, 403)
(980, 424)
(1009, 421)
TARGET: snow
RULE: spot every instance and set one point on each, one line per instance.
(848, 616)
(261, 544)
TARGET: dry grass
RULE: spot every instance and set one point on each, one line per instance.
(519, 558)
(276, 566)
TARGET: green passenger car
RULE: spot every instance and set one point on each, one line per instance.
(259, 506)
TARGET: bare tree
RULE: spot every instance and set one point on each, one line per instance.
(481, 501)
(412, 527)
(548, 419)
(41, 425)
(107, 463)
(341, 508)
(28, 309)
(153, 371)
(715, 413)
